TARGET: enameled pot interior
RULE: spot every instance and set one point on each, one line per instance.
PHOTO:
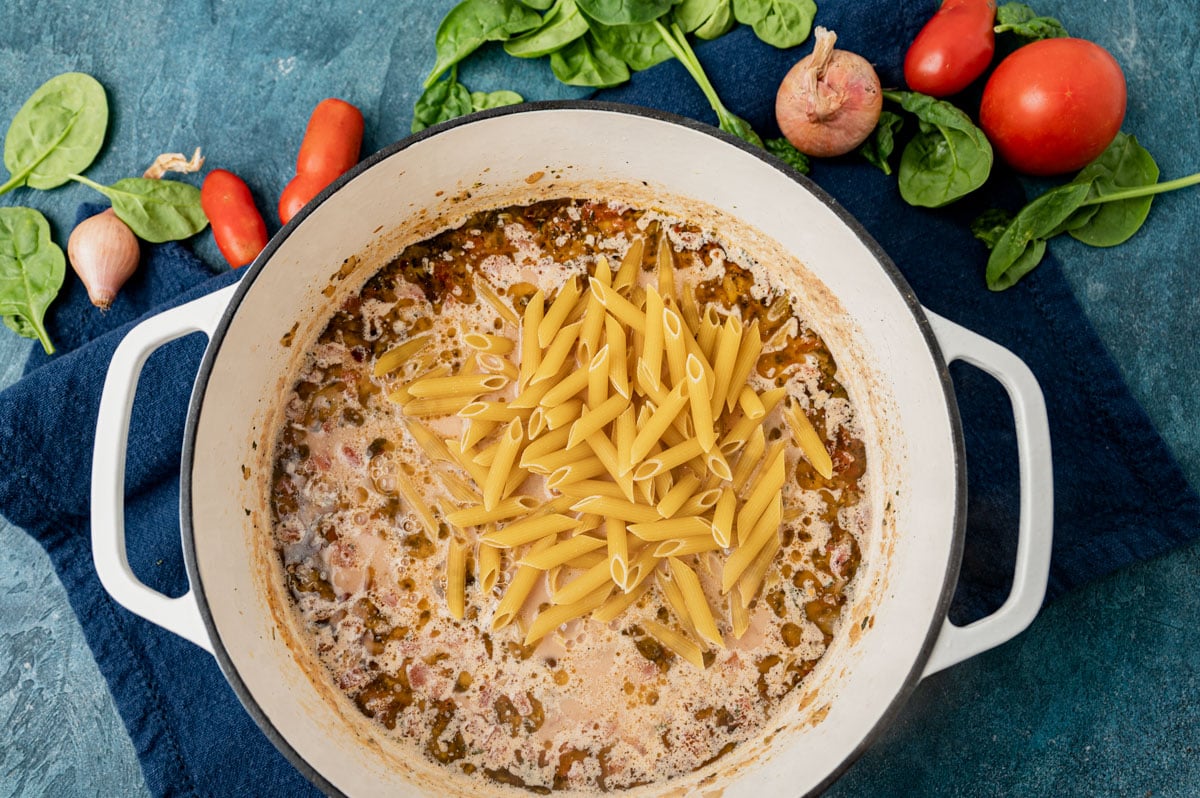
(874, 327)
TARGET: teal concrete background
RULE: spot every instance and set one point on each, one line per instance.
(1099, 697)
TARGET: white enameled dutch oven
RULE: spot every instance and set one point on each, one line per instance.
(892, 356)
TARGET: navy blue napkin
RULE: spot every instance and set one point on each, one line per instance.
(1120, 496)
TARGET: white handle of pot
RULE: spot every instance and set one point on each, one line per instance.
(1035, 527)
(179, 615)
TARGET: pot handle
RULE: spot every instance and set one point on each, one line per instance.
(1035, 527)
(179, 615)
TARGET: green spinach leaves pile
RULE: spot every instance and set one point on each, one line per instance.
(54, 137)
(599, 43)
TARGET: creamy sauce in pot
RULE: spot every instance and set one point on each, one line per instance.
(593, 705)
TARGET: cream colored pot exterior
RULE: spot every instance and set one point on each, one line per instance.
(892, 356)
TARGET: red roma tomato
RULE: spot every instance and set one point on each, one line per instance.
(297, 193)
(955, 47)
(331, 140)
(1054, 105)
(237, 225)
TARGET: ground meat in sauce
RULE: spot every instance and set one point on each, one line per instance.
(592, 707)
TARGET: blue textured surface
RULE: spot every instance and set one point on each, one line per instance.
(1099, 697)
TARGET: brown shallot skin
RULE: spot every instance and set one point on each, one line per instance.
(830, 101)
(104, 253)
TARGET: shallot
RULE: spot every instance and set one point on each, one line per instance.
(104, 253)
(829, 102)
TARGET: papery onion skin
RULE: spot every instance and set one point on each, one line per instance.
(104, 252)
(830, 101)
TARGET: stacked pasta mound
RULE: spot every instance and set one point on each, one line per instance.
(632, 453)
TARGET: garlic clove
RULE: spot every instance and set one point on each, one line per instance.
(104, 252)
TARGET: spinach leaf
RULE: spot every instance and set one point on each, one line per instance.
(879, 145)
(948, 158)
(32, 267)
(1023, 22)
(625, 12)
(640, 46)
(708, 19)
(1020, 248)
(779, 23)
(1124, 164)
(584, 63)
(155, 210)
(473, 22)
(538, 5)
(444, 100)
(481, 101)
(57, 132)
(783, 149)
(562, 25)
(990, 225)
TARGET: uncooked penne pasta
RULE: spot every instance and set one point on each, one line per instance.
(593, 420)
(749, 458)
(555, 356)
(431, 444)
(729, 340)
(668, 459)
(493, 344)
(565, 389)
(619, 601)
(669, 528)
(398, 355)
(474, 431)
(554, 317)
(673, 346)
(697, 604)
(681, 547)
(519, 589)
(479, 515)
(457, 385)
(674, 596)
(764, 491)
(679, 493)
(490, 561)
(554, 441)
(745, 552)
(751, 405)
(685, 648)
(493, 411)
(591, 579)
(619, 306)
(436, 405)
(553, 617)
(700, 503)
(614, 337)
(502, 465)
(617, 540)
(651, 352)
(710, 328)
(484, 289)
(598, 373)
(456, 577)
(561, 552)
(416, 503)
(749, 348)
(659, 420)
(699, 398)
(616, 508)
(749, 583)
(665, 262)
(631, 264)
(549, 463)
(722, 519)
(527, 530)
(531, 352)
(809, 441)
(739, 617)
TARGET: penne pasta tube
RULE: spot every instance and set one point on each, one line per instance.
(751, 581)
(531, 351)
(750, 458)
(492, 344)
(575, 480)
(555, 355)
(563, 415)
(519, 589)
(658, 422)
(549, 463)
(652, 344)
(751, 405)
(700, 503)
(809, 441)
(554, 317)
(745, 552)
(617, 541)
(624, 431)
(749, 349)
(551, 618)
(554, 441)
(435, 405)
(457, 385)
(665, 263)
(456, 577)
(729, 341)
(722, 519)
(618, 602)
(487, 455)
(587, 561)
(532, 395)
(465, 459)
(669, 528)
(688, 308)
(669, 638)
(598, 374)
(631, 264)
(493, 411)
(607, 452)
(502, 465)
(498, 364)
(615, 340)
(484, 289)
(679, 493)
(681, 547)
(398, 355)
(431, 444)
(762, 493)
(619, 306)
(675, 348)
(739, 617)
(668, 459)
(565, 389)
(593, 420)
(674, 596)
(479, 515)
(699, 399)
(717, 465)
(697, 604)
(591, 579)
(616, 508)
(710, 328)
(562, 552)
(489, 559)
(527, 530)
(594, 317)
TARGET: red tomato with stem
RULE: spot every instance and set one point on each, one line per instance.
(237, 225)
(330, 147)
(953, 49)
(1054, 105)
